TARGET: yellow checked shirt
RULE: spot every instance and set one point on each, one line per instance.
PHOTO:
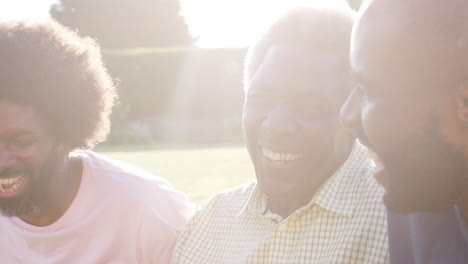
(345, 222)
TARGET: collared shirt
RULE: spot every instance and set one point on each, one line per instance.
(345, 222)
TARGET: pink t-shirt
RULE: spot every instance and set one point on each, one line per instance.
(121, 214)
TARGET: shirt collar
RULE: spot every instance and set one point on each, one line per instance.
(257, 202)
(338, 194)
(335, 195)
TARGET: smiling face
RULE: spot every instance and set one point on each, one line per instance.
(403, 107)
(291, 122)
(28, 160)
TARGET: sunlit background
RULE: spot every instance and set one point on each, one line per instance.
(215, 23)
(179, 66)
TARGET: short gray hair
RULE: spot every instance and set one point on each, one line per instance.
(325, 27)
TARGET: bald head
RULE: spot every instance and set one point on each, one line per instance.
(410, 61)
(416, 37)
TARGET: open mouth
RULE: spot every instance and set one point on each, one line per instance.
(10, 187)
(280, 158)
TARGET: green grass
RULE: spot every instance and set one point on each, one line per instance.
(199, 172)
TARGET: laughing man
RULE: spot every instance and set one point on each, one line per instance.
(58, 204)
(409, 59)
(314, 200)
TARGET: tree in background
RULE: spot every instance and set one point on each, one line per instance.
(126, 23)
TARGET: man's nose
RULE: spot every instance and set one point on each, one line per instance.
(280, 122)
(350, 113)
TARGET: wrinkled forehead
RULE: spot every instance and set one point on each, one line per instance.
(412, 38)
(298, 64)
(299, 70)
(296, 71)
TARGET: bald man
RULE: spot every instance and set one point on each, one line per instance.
(410, 105)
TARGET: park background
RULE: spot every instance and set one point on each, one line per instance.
(178, 65)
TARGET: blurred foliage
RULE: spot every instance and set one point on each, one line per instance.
(125, 23)
(177, 95)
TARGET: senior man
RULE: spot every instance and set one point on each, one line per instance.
(410, 105)
(315, 200)
(59, 204)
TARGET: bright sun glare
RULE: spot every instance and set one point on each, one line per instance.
(215, 23)
(232, 23)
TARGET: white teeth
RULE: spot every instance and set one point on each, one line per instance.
(16, 181)
(280, 157)
(10, 180)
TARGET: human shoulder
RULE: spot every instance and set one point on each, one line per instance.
(133, 188)
(119, 175)
(212, 216)
(224, 204)
(230, 200)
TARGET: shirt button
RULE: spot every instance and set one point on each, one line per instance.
(282, 227)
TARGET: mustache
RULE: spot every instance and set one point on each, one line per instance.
(13, 171)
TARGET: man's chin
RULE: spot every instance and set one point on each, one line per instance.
(17, 207)
(277, 181)
(409, 188)
(27, 202)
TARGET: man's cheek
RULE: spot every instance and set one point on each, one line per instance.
(252, 122)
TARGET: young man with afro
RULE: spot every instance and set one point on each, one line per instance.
(59, 204)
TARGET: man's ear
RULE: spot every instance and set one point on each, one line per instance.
(462, 103)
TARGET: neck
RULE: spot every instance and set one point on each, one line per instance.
(62, 194)
(286, 206)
